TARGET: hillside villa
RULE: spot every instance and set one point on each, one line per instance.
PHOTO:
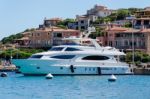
(121, 38)
(45, 37)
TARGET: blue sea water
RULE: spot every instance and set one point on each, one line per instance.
(17, 86)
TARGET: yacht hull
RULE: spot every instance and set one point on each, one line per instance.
(57, 67)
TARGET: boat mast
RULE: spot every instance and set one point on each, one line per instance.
(132, 43)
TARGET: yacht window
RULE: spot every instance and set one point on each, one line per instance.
(72, 49)
(56, 49)
(95, 57)
(89, 69)
(85, 69)
(93, 69)
(36, 56)
(63, 56)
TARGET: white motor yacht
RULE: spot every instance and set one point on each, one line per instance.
(75, 60)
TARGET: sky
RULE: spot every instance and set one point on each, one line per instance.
(18, 15)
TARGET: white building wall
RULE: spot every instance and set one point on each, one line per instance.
(103, 13)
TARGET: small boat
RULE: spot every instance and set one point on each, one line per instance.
(49, 76)
(3, 74)
(112, 78)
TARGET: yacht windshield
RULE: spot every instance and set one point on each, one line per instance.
(56, 49)
(72, 49)
(36, 56)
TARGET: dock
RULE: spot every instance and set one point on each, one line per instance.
(8, 68)
(141, 71)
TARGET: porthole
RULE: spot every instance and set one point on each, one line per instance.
(123, 69)
(93, 69)
(89, 69)
(38, 67)
(18, 67)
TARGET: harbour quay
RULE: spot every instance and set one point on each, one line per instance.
(8, 68)
(143, 69)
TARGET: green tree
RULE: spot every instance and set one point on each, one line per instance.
(99, 32)
(128, 24)
(11, 38)
(19, 53)
(138, 57)
(65, 22)
(122, 13)
(113, 16)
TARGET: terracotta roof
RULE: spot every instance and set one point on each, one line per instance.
(55, 29)
(117, 29)
(40, 30)
(145, 31)
(130, 30)
(143, 18)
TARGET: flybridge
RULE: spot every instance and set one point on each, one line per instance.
(88, 42)
(83, 41)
